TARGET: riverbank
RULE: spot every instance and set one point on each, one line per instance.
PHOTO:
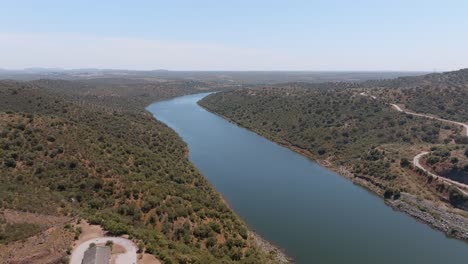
(271, 249)
(437, 216)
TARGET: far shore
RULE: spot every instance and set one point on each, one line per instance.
(438, 218)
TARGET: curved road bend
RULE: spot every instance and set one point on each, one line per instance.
(465, 126)
(129, 257)
(417, 163)
(417, 158)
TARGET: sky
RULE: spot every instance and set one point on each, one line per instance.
(316, 35)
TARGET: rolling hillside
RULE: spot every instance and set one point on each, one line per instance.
(87, 150)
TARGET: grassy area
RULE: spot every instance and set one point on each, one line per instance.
(17, 231)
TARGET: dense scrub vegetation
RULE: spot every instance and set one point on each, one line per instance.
(88, 149)
(338, 126)
(326, 122)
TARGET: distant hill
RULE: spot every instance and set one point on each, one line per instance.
(230, 77)
(436, 80)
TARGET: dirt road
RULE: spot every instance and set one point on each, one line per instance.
(465, 126)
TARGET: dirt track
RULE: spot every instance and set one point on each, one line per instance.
(465, 126)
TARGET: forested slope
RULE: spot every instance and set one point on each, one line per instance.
(91, 151)
(356, 135)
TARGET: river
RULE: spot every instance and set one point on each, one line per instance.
(315, 215)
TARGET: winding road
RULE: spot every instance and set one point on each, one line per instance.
(417, 163)
(128, 257)
(465, 126)
(417, 158)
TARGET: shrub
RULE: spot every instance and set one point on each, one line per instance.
(388, 193)
(433, 160)
(404, 163)
(202, 231)
(10, 163)
(116, 229)
(109, 243)
(211, 242)
(21, 126)
(72, 164)
(215, 227)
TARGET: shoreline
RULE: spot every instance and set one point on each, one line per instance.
(270, 248)
(427, 212)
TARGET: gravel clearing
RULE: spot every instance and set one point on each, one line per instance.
(129, 257)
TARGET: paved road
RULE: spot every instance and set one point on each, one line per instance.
(465, 126)
(129, 257)
(417, 163)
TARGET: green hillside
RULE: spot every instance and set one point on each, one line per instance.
(354, 134)
(90, 151)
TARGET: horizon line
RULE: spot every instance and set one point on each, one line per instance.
(58, 69)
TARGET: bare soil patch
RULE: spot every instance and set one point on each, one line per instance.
(148, 259)
(48, 247)
(88, 232)
(16, 217)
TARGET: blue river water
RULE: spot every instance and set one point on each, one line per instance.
(315, 215)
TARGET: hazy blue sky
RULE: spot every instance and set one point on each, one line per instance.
(235, 35)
